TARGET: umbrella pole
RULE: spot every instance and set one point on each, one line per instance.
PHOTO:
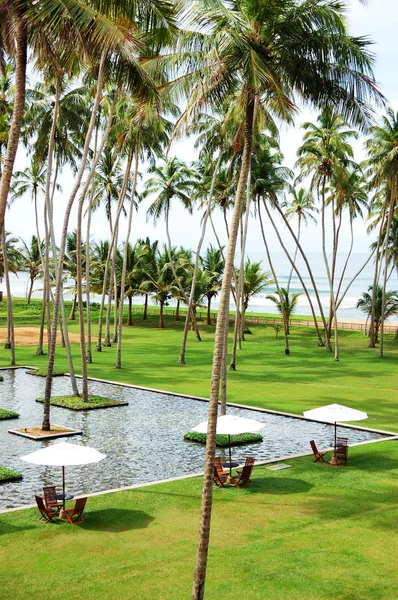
(63, 487)
(335, 438)
(230, 457)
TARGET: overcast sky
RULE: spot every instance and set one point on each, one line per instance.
(379, 21)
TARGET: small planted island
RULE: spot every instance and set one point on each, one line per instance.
(8, 414)
(77, 402)
(7, 475)
(222, 439)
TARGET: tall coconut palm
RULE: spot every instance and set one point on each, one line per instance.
(382, 163)
(172, 180)
(390, 308)
(255, 281)
(213, 264)
(32, 261)
(326, 155)
(30, 181)
(273, 50)
(285, 302)
(301, 207)
(159, 280)
(61, 27)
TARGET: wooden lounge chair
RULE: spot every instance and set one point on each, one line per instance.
(218, 466)
(50, 499)
(248, 462)
(244, 476)
(219, 478)
(47, 514)
(318, 455)
(74, 515)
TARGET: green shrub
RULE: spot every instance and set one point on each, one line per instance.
(8, 414)
(43, 372)
(222, 440)
(77, 403)
(8, 475)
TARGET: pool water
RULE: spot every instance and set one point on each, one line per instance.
(143, 441)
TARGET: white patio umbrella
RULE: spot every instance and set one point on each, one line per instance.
(63, 455)
(334, 413)
(231, 425)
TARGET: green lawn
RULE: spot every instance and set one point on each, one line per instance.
(310, 532)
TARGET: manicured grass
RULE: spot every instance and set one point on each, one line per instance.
(265, 377)
(222, 440)
(8, 414)
(77, 403)
(43, 372)
(8, 475)
(311, 532)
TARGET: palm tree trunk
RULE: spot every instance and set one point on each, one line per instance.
(372, 333)
(88, 282)
(10, 342)
(48, 201)
(325, 258)
(112, 287)
(181, 359)
(198, 586)
(21, 37)
(318, 333)
(295, 254)
(278, 289)
(242, 259)
(161, 320)
(145, 314)
(124, 268)
(32, 281)
(223, 391)
(72, 315)
(79, 268)
(177, 317)
(209, 310)
(51, 352)
(385, 250)
(130, 315)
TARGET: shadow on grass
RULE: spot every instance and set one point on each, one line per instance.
(372, 462)
(283, 485)
(116, 519)
(7, 528)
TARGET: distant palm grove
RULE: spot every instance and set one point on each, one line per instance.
(111, 85)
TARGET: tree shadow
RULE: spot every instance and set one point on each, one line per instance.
(7, 528)
(372, 462)
(284, 485)
(116, 519)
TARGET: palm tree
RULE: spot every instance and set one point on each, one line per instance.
(213, 264)
(55, 29)
(271, 51)
(32, 260)
(160, 281)
(173, 179)
(148, 253)
(326, 154)
(381, 312)
(301, 206)
(70, 266)
(255, 282)
(382, 163)
(30, 181)
(285, 302)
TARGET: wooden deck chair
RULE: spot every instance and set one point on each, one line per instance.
(74, 515)
(50, 499)
(248, 462)
(318, 455)
(219, 478)
(244, 476)
(218, 466)
(341, 453)
(47, 514)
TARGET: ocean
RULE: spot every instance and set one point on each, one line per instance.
(259, 303)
